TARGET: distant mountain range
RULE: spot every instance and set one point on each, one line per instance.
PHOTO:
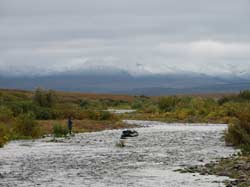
(124, 83)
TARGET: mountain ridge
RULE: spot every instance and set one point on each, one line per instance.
(123, 82)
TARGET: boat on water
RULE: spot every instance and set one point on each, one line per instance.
(129, 133)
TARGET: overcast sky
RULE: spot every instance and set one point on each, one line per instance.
(41, 37)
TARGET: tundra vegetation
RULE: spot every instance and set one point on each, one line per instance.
(60, 130)
(25, 114)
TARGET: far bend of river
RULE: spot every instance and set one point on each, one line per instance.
(93, 159)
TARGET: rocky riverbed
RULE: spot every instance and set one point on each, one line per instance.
(237, 167)
(93, 159)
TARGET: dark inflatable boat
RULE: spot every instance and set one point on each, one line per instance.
(129, 133)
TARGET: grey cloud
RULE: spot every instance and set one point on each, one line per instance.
(46, 37)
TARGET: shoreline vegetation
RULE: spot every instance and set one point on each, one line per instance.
(28, 115)
(235, 167)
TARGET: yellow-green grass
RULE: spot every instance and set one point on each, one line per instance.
(80, 126)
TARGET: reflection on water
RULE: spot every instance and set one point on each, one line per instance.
(93, 159)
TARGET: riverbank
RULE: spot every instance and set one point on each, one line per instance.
(45, 127)
(237, 168)
(166, 118)
(81, 126)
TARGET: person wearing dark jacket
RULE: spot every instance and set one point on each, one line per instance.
(70, 125)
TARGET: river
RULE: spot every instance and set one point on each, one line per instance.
(94, 159)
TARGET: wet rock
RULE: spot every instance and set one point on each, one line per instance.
(224, 173)
(247, 166)
(235, 183)
(203, 173)
(237, 166)
(242, 177)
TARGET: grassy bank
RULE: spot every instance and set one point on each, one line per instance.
(81, 126)
(28, 128)
(26, 115)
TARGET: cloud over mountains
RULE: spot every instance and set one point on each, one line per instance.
(139, 37)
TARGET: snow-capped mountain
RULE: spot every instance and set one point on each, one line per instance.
(105, 79)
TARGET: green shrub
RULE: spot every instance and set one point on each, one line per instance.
(92, 115)
(43, 113)
(21, 107)
(5, 114)
(107, 103)
(150, 109)
(238, 134)
(245, 94)
(137, 104)
(44, 98)
(99, 115)
(64, 110)
(241, 97)
(84, 104)
(232, 109)
(93, 104)
(26, 126)
(60, 130)
(5, 97)
(105, 115)
(140, 102)
(185, 102)
(183, 113)
(223, 100)
(168, 104)
(245, 149)
(4, 137)
(212, 116)
(20, 96)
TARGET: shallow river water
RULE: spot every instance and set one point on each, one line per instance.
(93, 159)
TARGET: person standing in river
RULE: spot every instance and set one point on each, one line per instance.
(70, 125)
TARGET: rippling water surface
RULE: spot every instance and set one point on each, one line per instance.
(93, 159)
